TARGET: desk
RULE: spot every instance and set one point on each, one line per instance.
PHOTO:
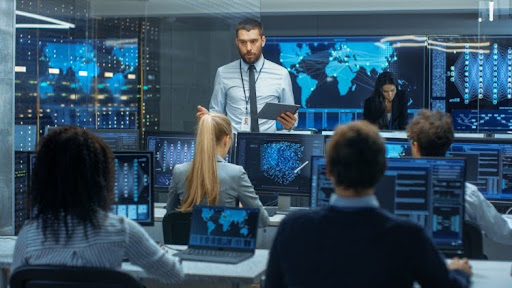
(197, 274)
(201, 274)
(491, 273)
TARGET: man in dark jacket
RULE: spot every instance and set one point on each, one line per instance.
(352, 242)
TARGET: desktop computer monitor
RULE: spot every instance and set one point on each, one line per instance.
(398, 147)
(430, 192)
(119, 139)
(169, 149)
(133, 186)
(116, 139)
(494, 163)
(278, 163)
(322, 187)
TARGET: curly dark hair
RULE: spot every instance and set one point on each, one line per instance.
(73, 178)
(356, 156)
(433, 131)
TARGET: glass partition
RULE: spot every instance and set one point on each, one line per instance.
(121, 64)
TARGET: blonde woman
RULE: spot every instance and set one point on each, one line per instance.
(209, 180)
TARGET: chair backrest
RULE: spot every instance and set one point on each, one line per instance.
(47, 276)
(176, 227)
(473, 243)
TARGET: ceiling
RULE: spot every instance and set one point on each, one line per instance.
(197, 7)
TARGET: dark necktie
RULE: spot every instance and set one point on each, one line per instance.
(252, 98)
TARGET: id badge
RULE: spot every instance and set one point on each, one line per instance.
(246, 124)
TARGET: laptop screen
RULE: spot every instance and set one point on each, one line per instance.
(224, 228)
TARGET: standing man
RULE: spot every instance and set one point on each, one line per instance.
(244, 86)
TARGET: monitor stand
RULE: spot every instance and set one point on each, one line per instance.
(283, 204)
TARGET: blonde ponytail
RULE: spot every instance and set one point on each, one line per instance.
(203, 179)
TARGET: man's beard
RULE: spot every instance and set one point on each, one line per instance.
(255, 59)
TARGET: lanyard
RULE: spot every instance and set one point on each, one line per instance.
(243, 85)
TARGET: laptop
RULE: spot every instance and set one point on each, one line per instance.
(221, 234)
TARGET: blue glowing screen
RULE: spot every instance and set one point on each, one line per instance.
(332, 76)
(474, 82)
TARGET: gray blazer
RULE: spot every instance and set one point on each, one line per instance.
(234, 184)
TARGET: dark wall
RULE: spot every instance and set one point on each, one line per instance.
(191, 52)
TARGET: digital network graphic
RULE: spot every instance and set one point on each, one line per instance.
(484, 75)
(476, 86)
(279, 161)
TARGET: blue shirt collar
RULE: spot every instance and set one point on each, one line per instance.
(257, 65)
(219, 159)
(354, 202)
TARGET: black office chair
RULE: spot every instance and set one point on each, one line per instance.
(176, 227)
(473, 242)
(47, 276)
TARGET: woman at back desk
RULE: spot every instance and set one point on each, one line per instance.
(208, 179)
(71, 195)
(387, 106)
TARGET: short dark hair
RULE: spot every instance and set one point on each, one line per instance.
(73, 178)
(433, 131)
(249, 24)
(356, 156)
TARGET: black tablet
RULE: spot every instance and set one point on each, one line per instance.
(273, 110)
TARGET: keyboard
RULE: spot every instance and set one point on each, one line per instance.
(208, 255)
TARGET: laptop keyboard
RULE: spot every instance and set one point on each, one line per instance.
(213, 255)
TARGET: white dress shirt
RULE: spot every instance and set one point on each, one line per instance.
(483, 213)
(273, 84)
